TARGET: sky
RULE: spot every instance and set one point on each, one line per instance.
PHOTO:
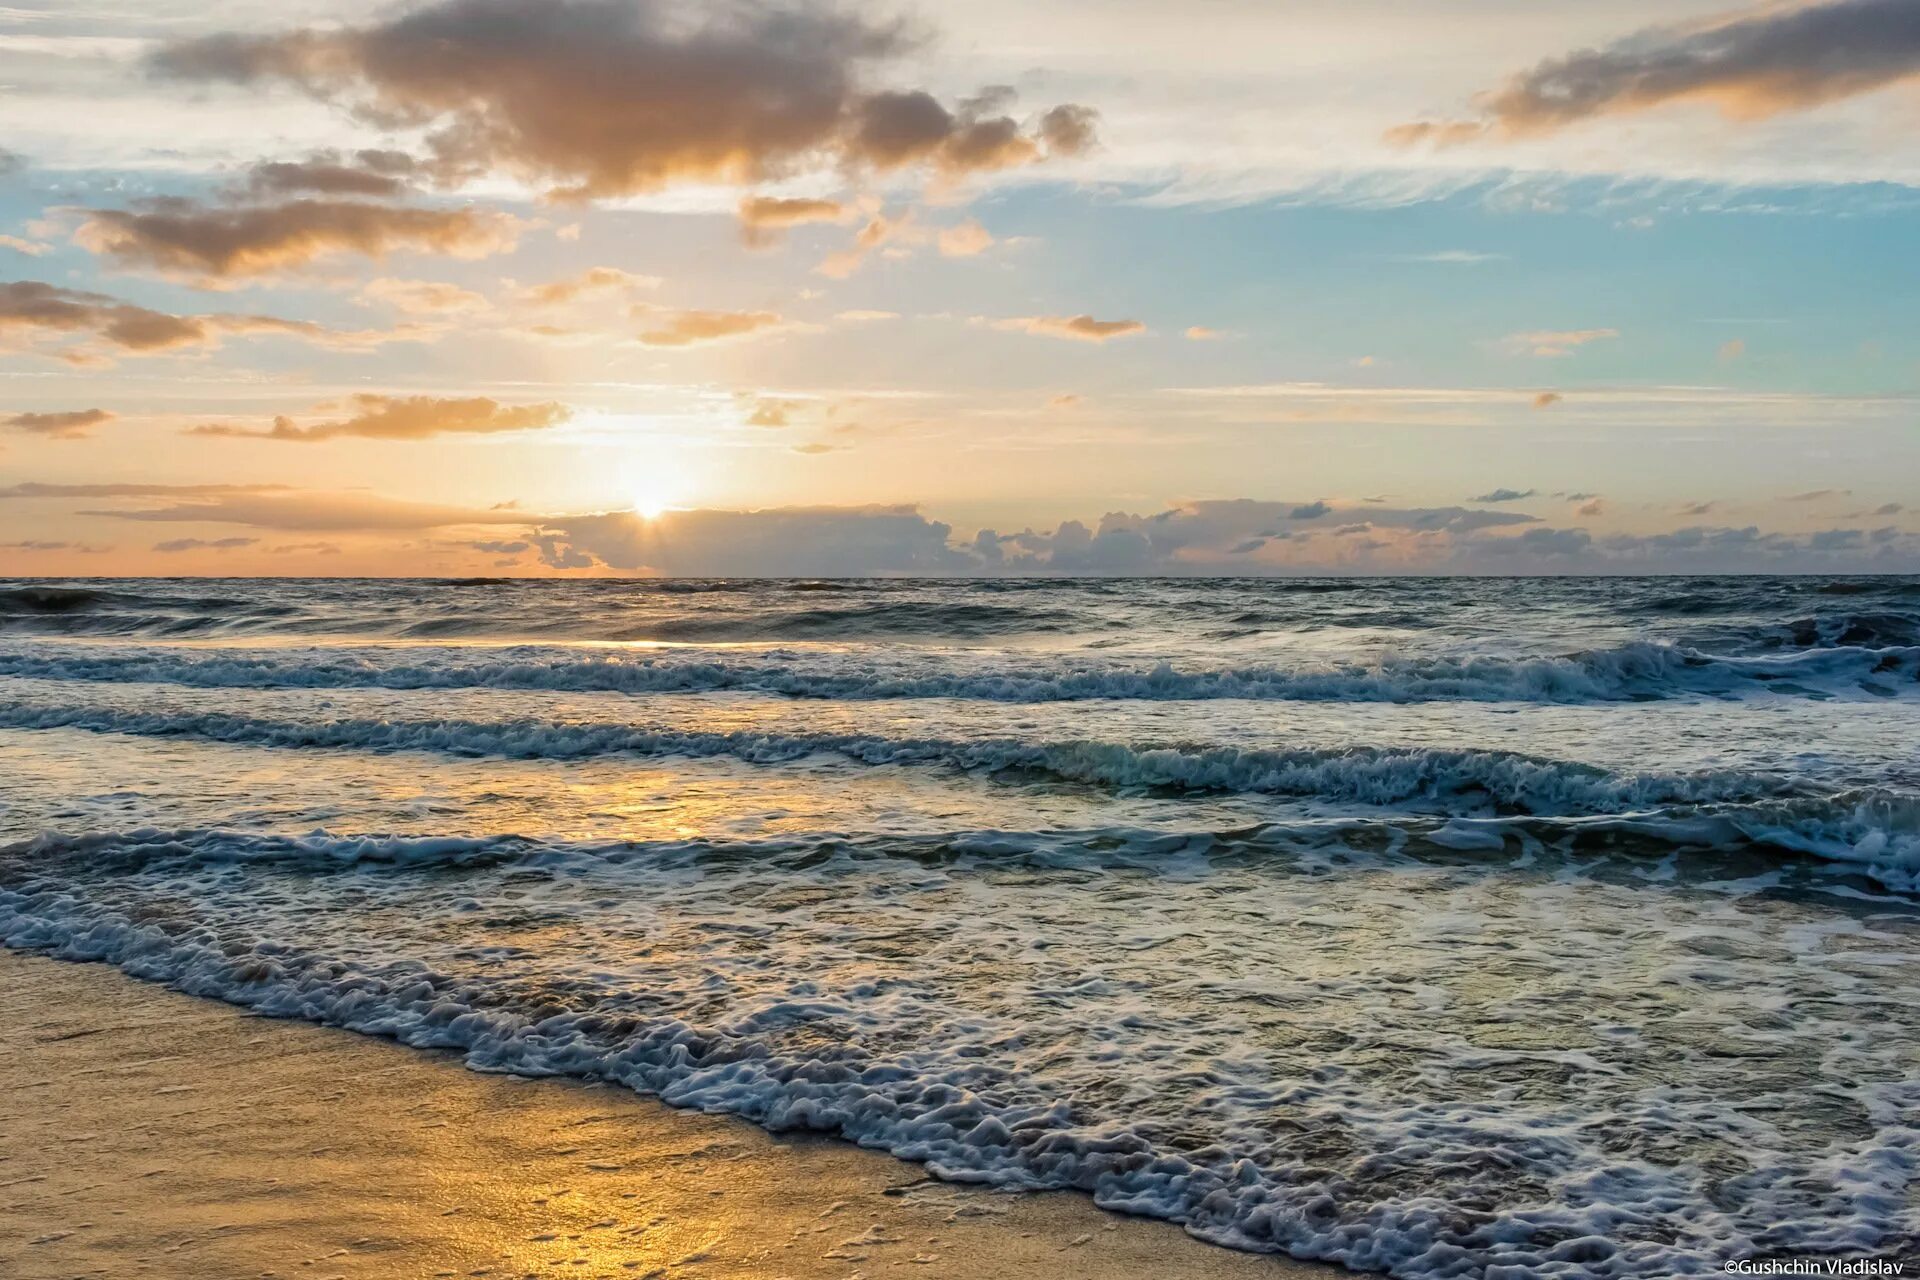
(609, 287)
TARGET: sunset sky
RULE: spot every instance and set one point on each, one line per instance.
(1113, 286)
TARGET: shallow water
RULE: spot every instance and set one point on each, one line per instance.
(1429, 926)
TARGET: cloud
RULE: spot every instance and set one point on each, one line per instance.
(367, 173)
(121, 489)
(1554, 343)
(600, 98)
(1547, 399)
(81, 327)
(764, 219)
(1732, 350)
(964, 240)
(11, 162)
(1818, 495)
(1505, 495)
(1083, 328)
(1201, 333)
(1771, 59)
(32, 248)
(1242, 535)
(1544, 543)
(275, 507)
(771, 413)
(877, 231)
(32, 309)
(1594, 506)
(204, 544)
(218, 243)
(893, 129)
(592, 280)
(779, 542)
(866, 317)
(378, 417)
(74, 424)
(691, 328)
(421, 297)
(1070, 129)
(1454, 257)
(40, 544)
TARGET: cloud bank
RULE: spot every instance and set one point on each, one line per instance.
(1225, 537)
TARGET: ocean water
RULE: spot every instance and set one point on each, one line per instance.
(1477, 927)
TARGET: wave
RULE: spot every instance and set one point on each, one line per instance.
(1459, 780)
(1404, 1185)
(735, 1067)
(1638, 671)
(1848, 630)
(963, 621)
(1867, 832)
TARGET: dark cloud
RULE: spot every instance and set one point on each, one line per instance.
(377, 417)
(328, 173)
(11, 162)
(82, 327)
(204, 544)
(1769, 60)
(34, 310)
(73, 424)
(222, 242)
(596, 98)
(1505, 495)
(1069, 129)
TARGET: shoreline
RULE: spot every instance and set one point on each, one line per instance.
(159, 1134)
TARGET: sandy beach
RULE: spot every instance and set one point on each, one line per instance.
(150, 1133)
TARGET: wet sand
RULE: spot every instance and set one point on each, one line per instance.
(146, 1133)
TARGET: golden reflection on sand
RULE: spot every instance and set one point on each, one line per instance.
(152, 1134)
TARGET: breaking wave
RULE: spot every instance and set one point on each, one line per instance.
(1637, 671)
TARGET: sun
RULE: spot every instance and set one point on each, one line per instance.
(649, 504)
(655, 489)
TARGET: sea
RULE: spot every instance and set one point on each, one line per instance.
(1436, 927)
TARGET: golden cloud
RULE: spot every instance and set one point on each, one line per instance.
(378, 417)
